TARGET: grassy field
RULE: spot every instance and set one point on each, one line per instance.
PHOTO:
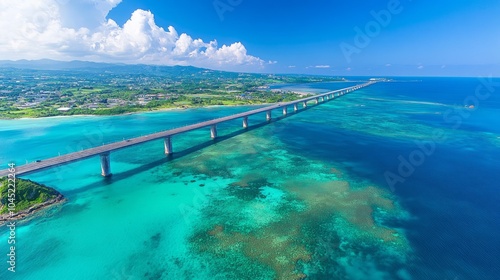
(27, 194)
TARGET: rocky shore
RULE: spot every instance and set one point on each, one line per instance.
(24, 198)
(4, 218)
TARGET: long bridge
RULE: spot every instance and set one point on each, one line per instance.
(105, 150)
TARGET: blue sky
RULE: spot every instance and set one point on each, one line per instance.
(421, 37)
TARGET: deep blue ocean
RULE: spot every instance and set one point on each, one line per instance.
(399, 180)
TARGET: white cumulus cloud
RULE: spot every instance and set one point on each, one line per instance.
(79, 29)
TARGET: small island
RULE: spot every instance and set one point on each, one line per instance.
(30, 197)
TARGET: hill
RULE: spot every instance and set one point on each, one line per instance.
(30, 197)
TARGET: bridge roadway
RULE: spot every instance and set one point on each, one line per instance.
(104, 150)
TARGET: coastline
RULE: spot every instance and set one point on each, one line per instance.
(136, 112)
(300, 92)
(88, 115)
(32, 211)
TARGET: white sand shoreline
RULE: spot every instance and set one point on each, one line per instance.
(134, 113)
(301, 93)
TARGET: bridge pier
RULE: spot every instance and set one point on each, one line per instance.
(245, 122)
(213, 131)
(104, 151)
(105, 165)
(168, 145)
(285, 111)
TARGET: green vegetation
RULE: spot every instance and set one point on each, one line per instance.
(112, 89)
(27, 194)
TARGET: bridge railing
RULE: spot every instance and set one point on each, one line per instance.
(105, 149)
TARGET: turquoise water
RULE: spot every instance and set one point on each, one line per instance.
(304, 195)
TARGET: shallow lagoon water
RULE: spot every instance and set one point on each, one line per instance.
(304, 195)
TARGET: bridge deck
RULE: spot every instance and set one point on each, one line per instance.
(76, 156)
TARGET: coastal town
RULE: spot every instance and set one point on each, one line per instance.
(109, 89)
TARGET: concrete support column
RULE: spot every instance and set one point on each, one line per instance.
(295, 107)
(285, 111)
(105, 165)
(304, 104)
(317, 100)
(245, 122)
(213, 131)
(168, 145)
(268, 115)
